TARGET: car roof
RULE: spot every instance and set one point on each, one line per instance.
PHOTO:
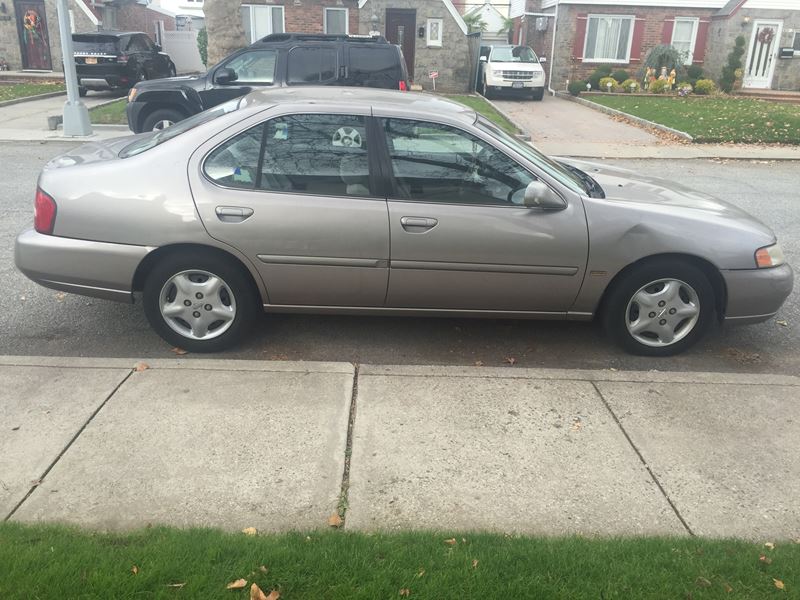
(287, 38)
(333, 97)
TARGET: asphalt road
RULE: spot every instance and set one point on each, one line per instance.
(38, 321)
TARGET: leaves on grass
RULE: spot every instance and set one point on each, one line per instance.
(250, 531)
(420, 574)
(765, 559)
(726, 586)
(135, 570)
(257, 594)
(474, 563)
(779, 584)
(451, 542)
(141, 367)
(702, 582)
(237, 585)
(263, 569)
(405, 592)
(176, 585)
(335, 520)
(179, 351)
(769, 546)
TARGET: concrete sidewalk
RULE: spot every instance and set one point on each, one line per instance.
(283, 445)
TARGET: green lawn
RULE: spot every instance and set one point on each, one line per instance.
(724, 119)
(23, 90)
(481, 106)
(110, 114)
(56, 562)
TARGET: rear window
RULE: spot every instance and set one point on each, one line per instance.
(94, 44)
(152, 140)
(375, 67)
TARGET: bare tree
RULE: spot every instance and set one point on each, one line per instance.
(224, 26)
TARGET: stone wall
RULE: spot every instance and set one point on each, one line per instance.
(723, 34)
(452, 59)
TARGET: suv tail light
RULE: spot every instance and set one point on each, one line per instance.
(122, 59)
(402, 86)
(44, 213)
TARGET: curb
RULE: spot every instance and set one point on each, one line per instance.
(619, 113)
(29, 98)
(523, 133)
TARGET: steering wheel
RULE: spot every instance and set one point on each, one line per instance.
(347, 136)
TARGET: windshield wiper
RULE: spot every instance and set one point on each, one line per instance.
(592, 188)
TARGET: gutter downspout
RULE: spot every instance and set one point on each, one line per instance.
(553, 53)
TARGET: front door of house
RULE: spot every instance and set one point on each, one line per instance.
(400, 26)
(34, 43)
(763, 53)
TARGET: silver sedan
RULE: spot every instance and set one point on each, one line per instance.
(378, 202)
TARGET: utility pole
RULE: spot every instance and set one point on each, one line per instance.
(76, 115)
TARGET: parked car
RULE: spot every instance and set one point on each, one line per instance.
(108, 60)
(344, 200)
(278, 60)
(510, 69)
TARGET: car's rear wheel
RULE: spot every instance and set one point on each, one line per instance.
(161, 119)
(659, 308)
(200, 302)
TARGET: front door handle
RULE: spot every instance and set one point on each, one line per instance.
(418, 224)
(233, 214)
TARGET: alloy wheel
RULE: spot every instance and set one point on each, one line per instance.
(662, 312)
(162, 124)
(197, 304)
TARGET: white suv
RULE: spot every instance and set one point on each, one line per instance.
(510, 69)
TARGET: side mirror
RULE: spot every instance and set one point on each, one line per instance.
(542, 59)
(158, 48)
(538, 195)
(484, 59)
(225, 75)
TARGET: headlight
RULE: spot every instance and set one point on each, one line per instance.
(497, 73)
(769, 256)
(537, 74)
(132, 94)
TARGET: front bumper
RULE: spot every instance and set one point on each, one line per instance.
(84, 267)
(755, 295)
(132, 111)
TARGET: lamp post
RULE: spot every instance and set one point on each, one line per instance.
(588, 87)
(608, 85)
(76, 115)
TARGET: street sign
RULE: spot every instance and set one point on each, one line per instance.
(433, 74)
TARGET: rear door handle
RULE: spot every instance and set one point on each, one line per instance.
(417, 224)
(233, 214)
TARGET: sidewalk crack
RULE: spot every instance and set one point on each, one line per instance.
(644, 462)
(49, 468)
(348, 452)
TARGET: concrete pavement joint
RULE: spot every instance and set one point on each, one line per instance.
(348, 451)
(644, 462)
(72, 440)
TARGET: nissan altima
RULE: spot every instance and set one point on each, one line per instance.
(342, 200)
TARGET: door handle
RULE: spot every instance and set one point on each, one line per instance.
(414, 224)
(233, 214)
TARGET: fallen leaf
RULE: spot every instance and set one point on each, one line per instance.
(420, 574)
(474, 563)
(779, 584)
(249, 531)
(782, 323)
(451, 542)
(765, 559)
(176, 585)
(335, 520)
(577, 424)
(405, 592)
(179, 351)
(263, 569)
(141, 367)
(15, 428)
(769, 546)
(273, 595)
(256, 593)
(510, 360)
(60, 296)
(703, 582)
(237, 585)
(727, 588)
(135, 570)
(478, 363)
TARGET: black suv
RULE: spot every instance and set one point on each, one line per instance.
(117, 59)
(283, 59)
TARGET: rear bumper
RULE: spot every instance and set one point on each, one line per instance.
(97, 269)
(755, 295)
(103, 77)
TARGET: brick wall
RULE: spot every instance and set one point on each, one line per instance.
(306, 16)
(540, 41)
(136, 17)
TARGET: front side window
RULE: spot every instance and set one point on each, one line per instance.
(519, 54)
(684, 35)
(336, 21)
(438, 163)
(608, 38)
(312, 65)
(256, 66)
(303, 154)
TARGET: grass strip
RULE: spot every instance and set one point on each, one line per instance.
(481, 106)
(46, 561)
(112, 113)
(717, 119)
(14, 91)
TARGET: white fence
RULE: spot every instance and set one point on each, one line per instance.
(182, 49)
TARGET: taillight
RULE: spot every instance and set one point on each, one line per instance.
(402, 86)
(122, 58)
(44, 213)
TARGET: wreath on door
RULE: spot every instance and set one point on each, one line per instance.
(766, 35)
(32, 23)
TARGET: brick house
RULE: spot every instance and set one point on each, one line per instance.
(579, 35)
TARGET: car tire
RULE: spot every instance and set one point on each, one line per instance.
(659, 308)
(214, 286)
(161, 119)
(82, 91)
(538, 94)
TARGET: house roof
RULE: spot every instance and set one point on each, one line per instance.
(731, 7)
(448, 5)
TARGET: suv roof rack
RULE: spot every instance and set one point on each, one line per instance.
(320, 37)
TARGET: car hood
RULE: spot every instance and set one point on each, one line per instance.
(197, 82)
(517, 66)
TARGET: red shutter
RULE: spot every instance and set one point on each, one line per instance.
(580, 36)
(636, 42)
(666, 33)
(700, 42)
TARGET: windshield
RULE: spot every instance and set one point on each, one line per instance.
(151, 141)
(520, 54)
(94, 44)
(556, 170)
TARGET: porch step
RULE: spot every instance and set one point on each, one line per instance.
(772, 95)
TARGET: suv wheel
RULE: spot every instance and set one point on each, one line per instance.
(538, 94)
(161, 119)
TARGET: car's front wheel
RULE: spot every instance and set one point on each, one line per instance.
(659, 308)
(199, 302)
(161, 119)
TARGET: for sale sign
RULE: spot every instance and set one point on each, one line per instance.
(433, 74)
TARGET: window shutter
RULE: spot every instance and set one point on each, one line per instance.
(700, 42)
(666, 33)
(580, 36)
(636, 42)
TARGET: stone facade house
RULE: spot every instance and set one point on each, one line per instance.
(579, 35)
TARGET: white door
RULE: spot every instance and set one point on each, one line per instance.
(763, 53)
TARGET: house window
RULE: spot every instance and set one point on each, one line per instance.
(433, 32)
(260, 21)
(684, 36)
(336, 21)
(796, 44)
(608, 38)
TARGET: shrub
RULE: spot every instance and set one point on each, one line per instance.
(576, 87)
(703, 87)
(659, 86)
(202, 45)
(728, 77)
(598, 74)
(626, 85)
(621, 75)
(663, 56)
(604, 84)
(684, 89)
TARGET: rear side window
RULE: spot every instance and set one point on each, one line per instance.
(137, 44)
(94, 44)
(312, 65)
(375, 67)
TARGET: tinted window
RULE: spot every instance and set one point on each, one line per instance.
(312, 65)
(521, 54)
(375, 67)
(94, 44)
(257, 66)
(235, 163)
(437, 163)
(137, 44)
